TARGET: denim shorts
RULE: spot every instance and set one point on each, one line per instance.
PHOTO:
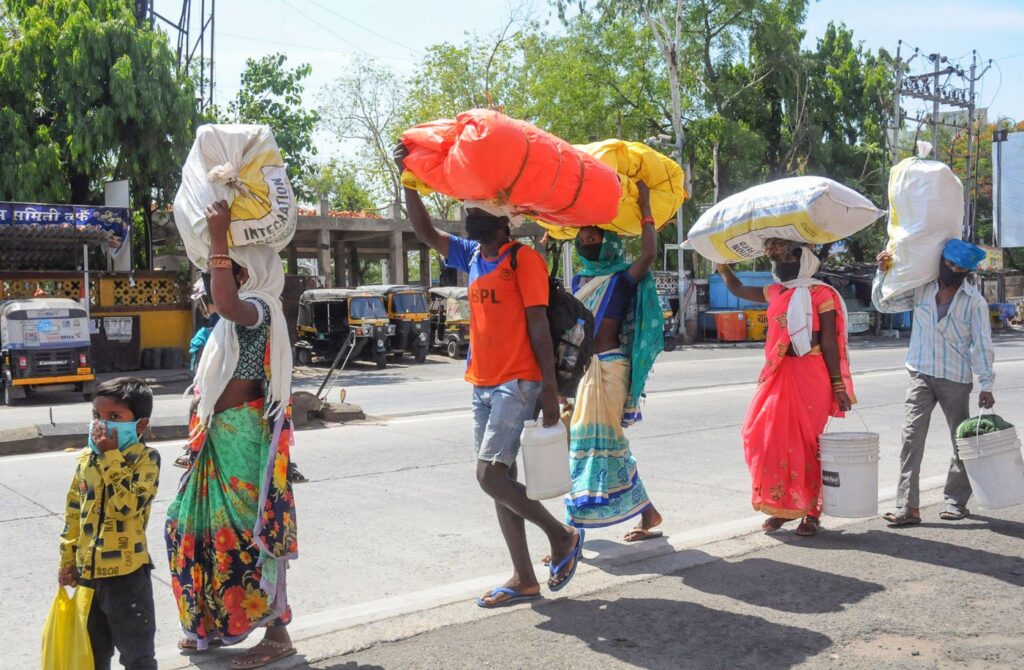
(498, 416)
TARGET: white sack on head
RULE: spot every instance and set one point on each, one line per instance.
(241, 164)
(806, 210)
(220, 356)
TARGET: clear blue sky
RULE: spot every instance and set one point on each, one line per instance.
(329, 33)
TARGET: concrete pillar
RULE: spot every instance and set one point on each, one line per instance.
(293, 259)
(405, 263)
(323, 255)
(425, 277)
(340, 265)
(325, 208)
(353, 263)
(396, 268)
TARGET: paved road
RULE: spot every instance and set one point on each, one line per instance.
(392, 518)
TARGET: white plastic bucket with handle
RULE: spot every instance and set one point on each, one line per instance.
(849, 473)
(545, 460)
(995, 468)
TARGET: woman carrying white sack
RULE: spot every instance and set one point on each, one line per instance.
(231, 528)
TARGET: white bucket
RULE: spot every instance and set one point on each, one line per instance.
(545, 460)
(995, 468)
(849, 474)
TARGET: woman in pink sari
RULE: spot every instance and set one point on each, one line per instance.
(805, 380)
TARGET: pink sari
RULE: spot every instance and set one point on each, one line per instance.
(789, 411)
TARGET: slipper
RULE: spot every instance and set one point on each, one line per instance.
(953, 515)
(514, 597)
(187, 645)
(901, 519)
(294, 476)
(808, 527)
(774, 523)
(643, 533)
(576, 554)
(183, 461)
(257, 659)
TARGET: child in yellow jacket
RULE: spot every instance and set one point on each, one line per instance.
(104, 540)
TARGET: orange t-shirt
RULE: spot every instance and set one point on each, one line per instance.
(500, 349)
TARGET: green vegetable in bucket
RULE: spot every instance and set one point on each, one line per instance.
(981, 425)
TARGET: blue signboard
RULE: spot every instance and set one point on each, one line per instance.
(5, 213)
(112, 219)
(34, 214)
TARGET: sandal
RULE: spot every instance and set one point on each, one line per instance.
(808, 527)
(953, 515)
(640, 533)
(294, 476)
(904, 518)
(184, 461)
(773, 523)
(262, 655)
(187, 645)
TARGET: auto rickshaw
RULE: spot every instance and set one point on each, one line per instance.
(407, 310)
(44, 345)
(671, 332)
(332, 318)
(449, 320)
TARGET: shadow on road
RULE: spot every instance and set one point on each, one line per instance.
(663, 634)
(755, 581)
(352, 665)
(905, 545)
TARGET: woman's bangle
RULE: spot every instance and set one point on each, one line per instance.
(647, 221)
(219, 263)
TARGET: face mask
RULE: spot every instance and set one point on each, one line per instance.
(592, 252)
(483, 228)
(786, 271)
(949, 277)
(127, 434)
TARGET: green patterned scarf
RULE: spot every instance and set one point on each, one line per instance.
(644, 334)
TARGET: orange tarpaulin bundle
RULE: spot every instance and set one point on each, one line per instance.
(485, 155)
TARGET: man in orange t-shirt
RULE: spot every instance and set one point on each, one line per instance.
(512, 369)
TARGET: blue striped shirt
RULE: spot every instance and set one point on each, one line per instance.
(956, 347)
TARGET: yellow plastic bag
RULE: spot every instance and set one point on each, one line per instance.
(634, 161)
(65, 634)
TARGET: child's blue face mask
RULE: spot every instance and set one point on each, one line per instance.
(127, 433)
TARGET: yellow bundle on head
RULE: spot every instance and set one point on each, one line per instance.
(634, 161)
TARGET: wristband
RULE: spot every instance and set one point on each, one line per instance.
(647, 221)
(219, 263)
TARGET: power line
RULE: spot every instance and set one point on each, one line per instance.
(1009, 57)
(359, 25)
(314, 21)
(284, 44)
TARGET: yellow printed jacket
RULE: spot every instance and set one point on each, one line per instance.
(112, 492)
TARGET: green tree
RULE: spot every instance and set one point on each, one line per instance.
(271, 94)
(89, 96)
(338, 183)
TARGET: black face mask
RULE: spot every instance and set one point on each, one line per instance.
(786, 271)
(592, 252)
(950, 277)
(484, 228)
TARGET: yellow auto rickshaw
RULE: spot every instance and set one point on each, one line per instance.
(44, 345)
(407, 311)
(449, 320)
(333, 318)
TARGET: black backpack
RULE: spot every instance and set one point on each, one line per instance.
(565, 311)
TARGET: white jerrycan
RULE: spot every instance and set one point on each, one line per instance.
(546, 460)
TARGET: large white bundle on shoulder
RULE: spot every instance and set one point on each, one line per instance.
(926, 210)
(808, 210)
(243, 165)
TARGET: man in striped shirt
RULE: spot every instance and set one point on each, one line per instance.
(951, 341)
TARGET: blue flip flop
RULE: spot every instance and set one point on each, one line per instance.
(514, 597)
(576, 553)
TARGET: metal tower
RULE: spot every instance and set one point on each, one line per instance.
(194, 30)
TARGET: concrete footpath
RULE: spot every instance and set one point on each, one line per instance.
(860, 595)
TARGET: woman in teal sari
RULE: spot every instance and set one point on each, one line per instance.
(606, 487)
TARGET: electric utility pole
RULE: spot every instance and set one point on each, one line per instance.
(928, 88)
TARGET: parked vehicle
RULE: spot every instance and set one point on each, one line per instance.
(449, 320)
(44, 345)
(332, 318)
(407, 311)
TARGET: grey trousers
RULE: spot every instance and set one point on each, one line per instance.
(922, 396)
(123, 616)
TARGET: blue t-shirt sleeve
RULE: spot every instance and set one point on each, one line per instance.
(460, 250)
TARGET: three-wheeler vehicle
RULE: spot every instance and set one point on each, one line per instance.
(407, 311)
(44, 346)
(449, 320)
(331, 319)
